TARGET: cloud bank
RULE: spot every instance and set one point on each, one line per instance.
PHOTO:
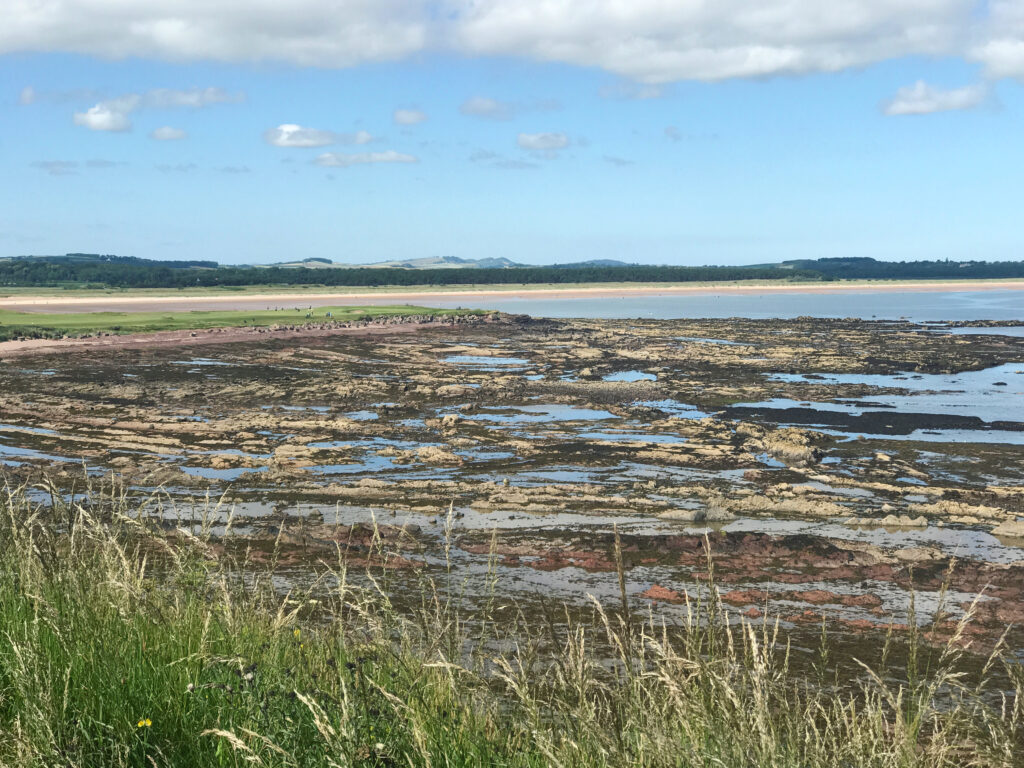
(647, 41)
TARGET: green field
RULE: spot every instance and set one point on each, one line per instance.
(36, 325)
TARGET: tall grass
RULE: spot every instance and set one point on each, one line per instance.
(125, 643)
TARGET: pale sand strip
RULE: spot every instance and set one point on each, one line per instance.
(251, 301)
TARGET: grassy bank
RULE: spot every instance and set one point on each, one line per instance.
(37, 325)
(128, 641)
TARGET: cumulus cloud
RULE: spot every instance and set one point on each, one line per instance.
(319, 33)
(167, 133)
(924, 99)
(103, 117)
(492, 109)
(112, 114)
(654, 41)
(291, 135)
(542, 142)
(648, 41)
(341, 160)
(409, 116)
(1001, 46)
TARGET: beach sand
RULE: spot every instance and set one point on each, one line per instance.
(242, 301)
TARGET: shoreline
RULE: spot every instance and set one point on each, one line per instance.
(228, 300)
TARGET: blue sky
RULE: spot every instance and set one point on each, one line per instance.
(559, 132)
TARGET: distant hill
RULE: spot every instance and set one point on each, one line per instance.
(443, 262)
(429, 262)
(593, 263)
(98, 258)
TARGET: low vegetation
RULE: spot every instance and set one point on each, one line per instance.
(37, 325)
(128, 638)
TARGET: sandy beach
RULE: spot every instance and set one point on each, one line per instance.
(241, 301)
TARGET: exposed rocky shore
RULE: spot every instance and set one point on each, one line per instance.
(779, 436)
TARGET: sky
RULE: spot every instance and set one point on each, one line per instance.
(542, 131)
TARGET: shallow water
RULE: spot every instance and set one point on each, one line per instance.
(992, 395)
(630, 376)
(1012, 331)
(914, 306)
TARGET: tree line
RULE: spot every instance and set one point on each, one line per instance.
(78, 270)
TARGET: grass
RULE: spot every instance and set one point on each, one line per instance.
(127, 641)
(39, 325)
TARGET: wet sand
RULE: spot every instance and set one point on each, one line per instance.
(151, 303)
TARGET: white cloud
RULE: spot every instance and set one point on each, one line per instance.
(112, 114)
(409, 116)
(657, 41)
(647, 41)
(1002, 57)
(27, 96)
(291, 135)
(320, 33)
(1001, 49)
(492, 109)
(103, 117)
(167, 133)
(923, 99)
(340, 160)
(543, 142)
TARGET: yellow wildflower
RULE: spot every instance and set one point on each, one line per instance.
(144, 723)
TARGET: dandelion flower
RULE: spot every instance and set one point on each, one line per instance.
(297, 632)
(144, 723)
